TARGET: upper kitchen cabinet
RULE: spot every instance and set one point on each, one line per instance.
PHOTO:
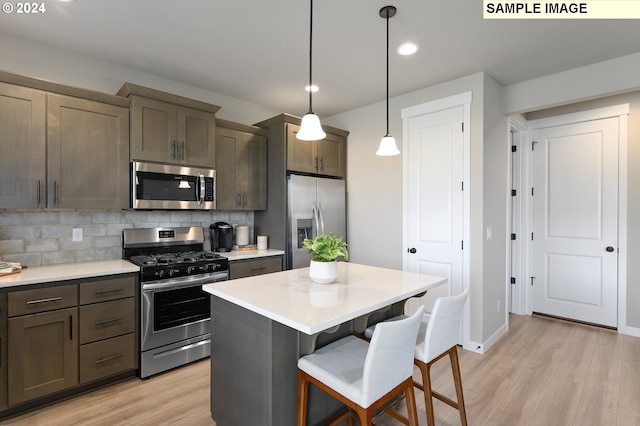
(324, 157)
(241, 166)
(87, 154)
(327, 157)
(170, 129)
(22, 146)
(62, 147)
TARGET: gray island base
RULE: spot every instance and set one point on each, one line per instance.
(262, 325)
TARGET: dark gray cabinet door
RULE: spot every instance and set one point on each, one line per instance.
(22, 147)
(241, 170)
(87, 154)
(196, 137)
(43, 354)
(324, 157)
(153, 130)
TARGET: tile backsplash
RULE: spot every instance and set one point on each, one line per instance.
(45, 237)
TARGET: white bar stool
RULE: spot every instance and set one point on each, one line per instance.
(436, 339)
(363, 375)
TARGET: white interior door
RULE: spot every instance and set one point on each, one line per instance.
(575, 221)
(434, 200)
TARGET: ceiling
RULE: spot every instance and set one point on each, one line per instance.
(258, 50)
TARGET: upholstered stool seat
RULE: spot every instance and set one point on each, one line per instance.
(364, 375)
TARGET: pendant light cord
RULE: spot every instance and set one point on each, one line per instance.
(387, 73)
(310, 55)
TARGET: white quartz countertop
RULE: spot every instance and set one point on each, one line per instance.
(250, 254)
(292, 299)
(67, 271)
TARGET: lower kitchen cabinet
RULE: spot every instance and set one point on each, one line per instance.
(63, 337)
(43, 354)
(255, 266)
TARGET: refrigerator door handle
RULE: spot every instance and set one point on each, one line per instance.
(316, 222)
(321, 219)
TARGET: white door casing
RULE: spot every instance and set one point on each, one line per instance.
(435, 213)
(575, 220)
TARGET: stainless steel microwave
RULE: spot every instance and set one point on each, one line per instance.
(157, 186)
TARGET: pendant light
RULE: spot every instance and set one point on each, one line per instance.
(387, 143)
(310, 129)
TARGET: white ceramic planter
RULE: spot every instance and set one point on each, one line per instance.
(323, 272)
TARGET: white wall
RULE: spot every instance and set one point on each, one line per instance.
(374, 188)
(33, 60)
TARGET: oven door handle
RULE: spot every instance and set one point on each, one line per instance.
(191, 282)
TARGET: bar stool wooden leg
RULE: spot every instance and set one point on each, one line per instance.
(457, 379)
(303, 392)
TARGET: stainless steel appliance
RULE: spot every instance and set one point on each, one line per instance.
(315, 206)
(221, 237)
(175, 313)
(172, 187)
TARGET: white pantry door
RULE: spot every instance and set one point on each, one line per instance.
(434, 200)
(575, 221)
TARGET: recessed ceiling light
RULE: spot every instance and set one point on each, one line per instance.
(408, 49)
(313, 88)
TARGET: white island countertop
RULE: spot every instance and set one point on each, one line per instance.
(67, 271)
(292, 299)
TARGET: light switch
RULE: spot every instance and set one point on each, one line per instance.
(488, 233)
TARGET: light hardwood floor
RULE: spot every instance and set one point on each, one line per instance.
(543, 372)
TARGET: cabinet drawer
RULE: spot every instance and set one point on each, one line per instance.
(259, 266)
(42, 299)
(107, 357)
(107, 289)
(104, 320)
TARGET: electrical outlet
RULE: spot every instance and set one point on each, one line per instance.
(489, 233)
(76, 234)
(498, 306)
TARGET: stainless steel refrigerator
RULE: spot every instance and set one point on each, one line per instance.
(315, 206)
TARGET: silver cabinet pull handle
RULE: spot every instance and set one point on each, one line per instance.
(51, 299)
(109, 358)
(108, 321)
(115, 290)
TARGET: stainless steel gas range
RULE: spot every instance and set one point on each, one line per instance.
(175, 313)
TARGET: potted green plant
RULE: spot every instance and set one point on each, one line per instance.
(324, 250)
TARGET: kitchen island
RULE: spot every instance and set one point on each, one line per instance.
(261, 326)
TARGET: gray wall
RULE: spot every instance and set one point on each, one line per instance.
(36, 238)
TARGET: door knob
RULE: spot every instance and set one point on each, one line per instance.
(412, 250)
(609, 249)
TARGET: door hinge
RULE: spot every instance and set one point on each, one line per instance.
(532, 236)
(532, 278)
(514, 148)
(513, 237)
(462, 245)
(533, 145)
(513, 192)
(462, 126)
(513, 280)
(532, 191)
(462, 185)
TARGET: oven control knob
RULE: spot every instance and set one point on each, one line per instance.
(190, 269)
(212, 267)
(160, 273)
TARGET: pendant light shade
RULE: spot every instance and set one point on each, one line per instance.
(387, 147)
(387, 143)
(310, 128)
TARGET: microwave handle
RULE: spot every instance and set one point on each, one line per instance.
(200, 189)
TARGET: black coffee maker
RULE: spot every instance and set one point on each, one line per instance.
(221, 236)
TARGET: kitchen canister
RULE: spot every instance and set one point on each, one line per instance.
(242, 235)
(262, 242)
